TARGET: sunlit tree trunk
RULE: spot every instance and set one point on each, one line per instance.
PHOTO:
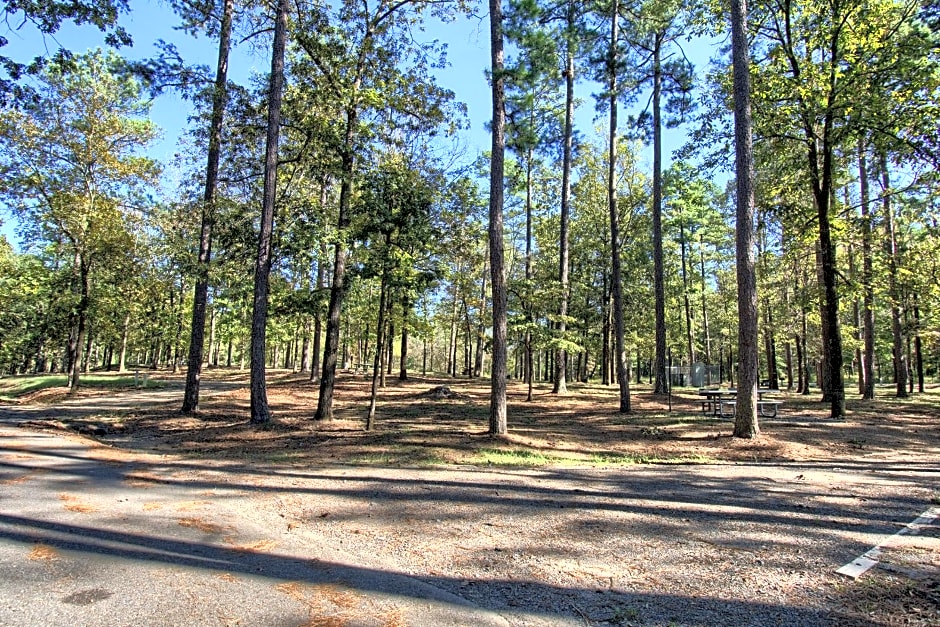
(497, 418)
(561, 355)
(659, 281)
(260, 412)
(201, 289)
(623, 376)
(897, 332)
(745, 419)
(867, 365)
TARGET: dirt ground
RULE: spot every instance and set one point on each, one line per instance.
(423, 429)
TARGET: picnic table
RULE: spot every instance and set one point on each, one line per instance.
(715, 400)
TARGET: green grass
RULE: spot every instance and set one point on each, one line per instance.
(629, 459)
(514, 457)
(16, 386)
(404, 456)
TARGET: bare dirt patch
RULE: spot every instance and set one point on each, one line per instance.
(427, 421)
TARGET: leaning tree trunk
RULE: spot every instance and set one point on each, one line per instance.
(745, 418)
(623, 376)
(338, 283)
(201, 290)
(260, 412)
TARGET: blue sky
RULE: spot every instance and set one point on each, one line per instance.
(468, 54)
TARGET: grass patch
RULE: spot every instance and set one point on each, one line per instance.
(517, 457)
(22, 385)
(629, 459)
(14, 387)
(404, 456)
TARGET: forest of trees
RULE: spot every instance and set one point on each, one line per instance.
(326, 221)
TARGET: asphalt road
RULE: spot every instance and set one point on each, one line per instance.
(87, 540)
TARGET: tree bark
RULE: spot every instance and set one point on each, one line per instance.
(201, 289)
(125, 332)
(481, 327)
(745, 419)
(687, 302)
(377, 366)
(659, 281)
(623, 377)
(561, 355)
(897, 332)
(497, 417)
(316, 349)
(868, 298)
(260, 412)
(918, 349)
(705, 328)
(403, 362)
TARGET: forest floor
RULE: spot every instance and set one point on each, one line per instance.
(582, 515)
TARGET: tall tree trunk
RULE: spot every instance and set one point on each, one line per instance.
(745, 418)
(86, 355)
(528, 373)
(497, 421)
(705, 328)
(867, 366)
(318, 314)
(77, 337)
(824, 372)
(201, 289)
(390, 344)
(918, 352)
(831, 333)
(605, 333)
(260, 412)
(897, 332)
(452, 345)
(481, 326)
(561, 355)
(403, 363)
(338, 283)
(687, 302)
(659, 281)
(623, 377)
(210, 359)
(305, 346)
(377, 366)
(125, 332)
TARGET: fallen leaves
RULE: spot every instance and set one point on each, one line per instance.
(43, 553)
(74, 504)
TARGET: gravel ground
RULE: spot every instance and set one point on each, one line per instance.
(681, 545)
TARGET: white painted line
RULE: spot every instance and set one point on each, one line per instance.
(861, 564)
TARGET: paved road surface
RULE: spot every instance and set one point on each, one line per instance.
(82, 542)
